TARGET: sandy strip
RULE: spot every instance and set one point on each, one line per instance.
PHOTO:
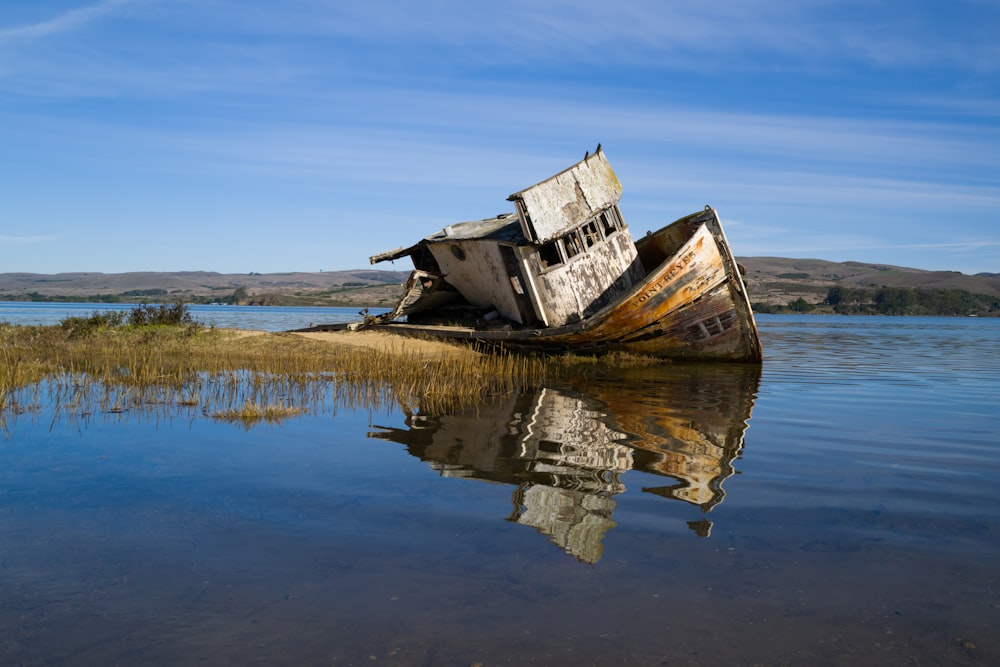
(377, 340)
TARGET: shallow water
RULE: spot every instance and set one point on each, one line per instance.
(260, 318)
(840, 506)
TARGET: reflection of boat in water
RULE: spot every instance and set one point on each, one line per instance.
(687, 425)
(565, 447)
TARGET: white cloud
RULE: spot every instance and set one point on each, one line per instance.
(65, 22)
(802, 33)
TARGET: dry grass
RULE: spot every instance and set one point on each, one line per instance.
(252, 413)
(229, 376)
(100, 366)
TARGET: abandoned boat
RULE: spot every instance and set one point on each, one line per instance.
(563, 273)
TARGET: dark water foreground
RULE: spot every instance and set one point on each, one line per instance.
(841, 506)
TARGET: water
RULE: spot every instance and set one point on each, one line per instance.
(840, 506)
(259, 318)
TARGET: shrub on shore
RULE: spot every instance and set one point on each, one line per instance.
(116, 362)
(140, 316)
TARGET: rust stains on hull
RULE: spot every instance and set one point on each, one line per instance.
(693, 306)
(563, 273)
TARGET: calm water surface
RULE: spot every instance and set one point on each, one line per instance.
(261, 318)
(839, 506)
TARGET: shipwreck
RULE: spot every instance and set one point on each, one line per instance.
(563, 273)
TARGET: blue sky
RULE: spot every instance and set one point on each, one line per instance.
(306, 135)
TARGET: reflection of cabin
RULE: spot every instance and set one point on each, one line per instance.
(562, 256)
(573, 520)
(564, 458)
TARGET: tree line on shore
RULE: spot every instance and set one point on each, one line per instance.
(839, 300)
(893, 301)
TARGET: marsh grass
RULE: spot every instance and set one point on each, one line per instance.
(251, 414)
(157, 362)
(109, 367)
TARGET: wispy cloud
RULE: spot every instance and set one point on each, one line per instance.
(957, 245)
(26, 239)
(802, 34)
(228, 44)
(828, 246)
(65, 22)
(824, 125)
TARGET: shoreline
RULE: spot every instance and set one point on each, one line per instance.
(375, 340)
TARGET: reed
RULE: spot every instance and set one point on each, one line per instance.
(116, 368)
(252, 413)
(159, 363)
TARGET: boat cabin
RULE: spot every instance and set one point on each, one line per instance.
(565, 253)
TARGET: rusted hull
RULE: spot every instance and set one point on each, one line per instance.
(692, 305)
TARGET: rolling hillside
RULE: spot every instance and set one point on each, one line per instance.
(770, 280)
(360, 287)
(779, 280)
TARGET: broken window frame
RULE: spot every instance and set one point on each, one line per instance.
(549, 255)
(573, 244)
(591, 234)
(608, 224)
(579, 240)
(612, 221)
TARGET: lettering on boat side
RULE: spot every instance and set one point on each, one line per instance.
(655, 287)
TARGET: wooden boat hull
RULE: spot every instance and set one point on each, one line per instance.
(692, 305)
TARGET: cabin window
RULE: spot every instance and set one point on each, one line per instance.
(590, 234)
(548, 255)
(619, 222)
(611, 221)
(608, 223)
(573, 244)
(579, 240)
(458, 253)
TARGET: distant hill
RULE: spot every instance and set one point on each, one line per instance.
(364, 287)
(779, 280)
(770, 280)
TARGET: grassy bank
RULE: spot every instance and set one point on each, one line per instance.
(226, 375)
(156, 361)
(111, 364)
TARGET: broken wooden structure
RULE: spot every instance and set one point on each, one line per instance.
(562, 273)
